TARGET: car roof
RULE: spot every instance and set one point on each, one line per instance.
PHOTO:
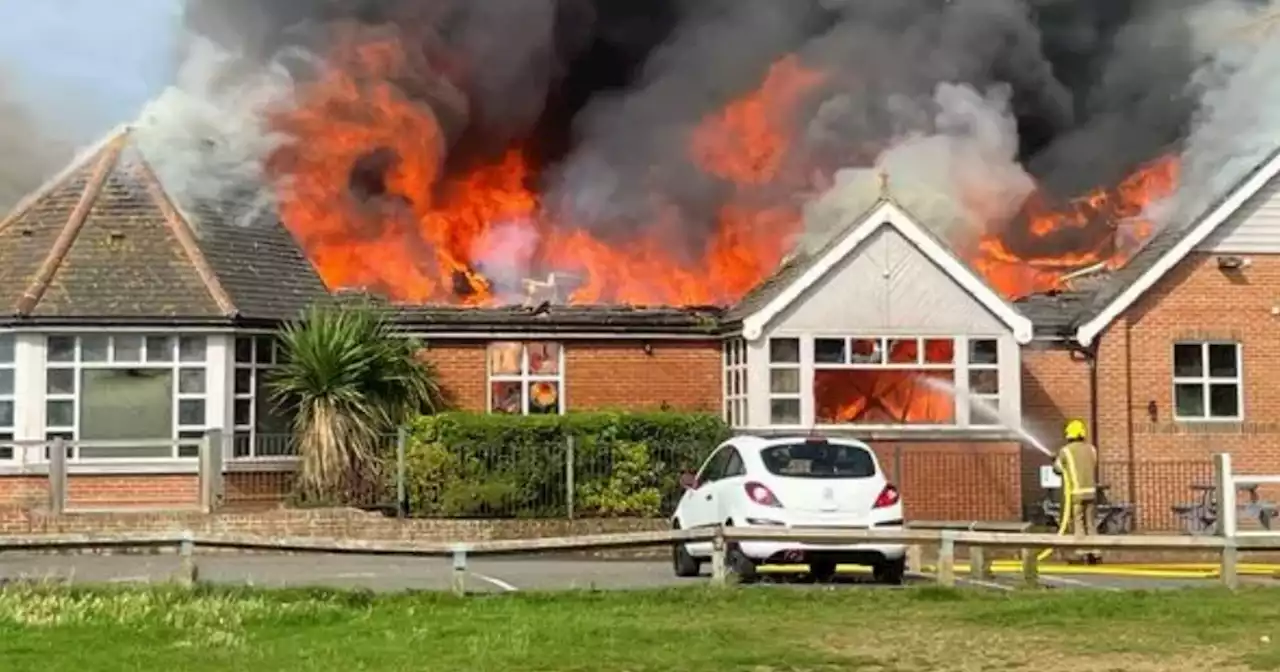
(756, 443)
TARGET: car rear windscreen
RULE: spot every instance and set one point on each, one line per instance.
(818, 460)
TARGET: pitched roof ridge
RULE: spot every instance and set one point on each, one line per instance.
(82, 159)
(75, 223)
(181, 228)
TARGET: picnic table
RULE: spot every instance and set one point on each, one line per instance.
(1111, 518)
(1201, 516)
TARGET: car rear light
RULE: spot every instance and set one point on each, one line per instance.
(762, 495)
(888, 497)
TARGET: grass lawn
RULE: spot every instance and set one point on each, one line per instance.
(54, 629)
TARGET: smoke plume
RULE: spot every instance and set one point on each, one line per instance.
(28, 152)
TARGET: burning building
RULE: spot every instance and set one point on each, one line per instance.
(800, 245)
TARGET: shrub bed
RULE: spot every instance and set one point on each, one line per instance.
(478, 465)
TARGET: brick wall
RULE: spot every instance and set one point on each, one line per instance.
(103, 491)
(955, 481)
(615, 374)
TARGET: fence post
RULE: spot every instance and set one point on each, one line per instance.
(58, 476)
(187, 574)
(719, 573)
(947, 559)
(569, 469)
(979, 565)
(1225, 483)
(1031, 567)
(211, 491)
(402, 493)
(459, 579)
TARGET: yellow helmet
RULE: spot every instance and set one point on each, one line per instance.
(1075, 430)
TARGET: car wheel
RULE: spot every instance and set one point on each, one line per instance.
(684, 565)
(891, 572)
(823, 572)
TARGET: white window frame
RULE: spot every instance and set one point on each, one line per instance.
(524, 377)
(256, 370)
(883, 347)
(969, 367)
(798, 367)
(735, 382)
(9, 452)
(1205, 380)
(175, 365)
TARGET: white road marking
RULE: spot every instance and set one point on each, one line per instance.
(503, 585)
(356, 575)
(986, 584)
(1064, 581)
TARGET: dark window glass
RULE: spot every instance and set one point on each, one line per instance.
(818, 460)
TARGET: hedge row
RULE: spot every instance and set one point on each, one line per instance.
(492, 466)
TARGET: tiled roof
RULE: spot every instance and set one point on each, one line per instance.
(105, 242)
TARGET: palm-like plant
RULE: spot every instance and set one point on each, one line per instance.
(348, 381)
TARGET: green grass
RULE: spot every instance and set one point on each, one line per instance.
(53, 629)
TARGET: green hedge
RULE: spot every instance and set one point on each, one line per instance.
(475, 465)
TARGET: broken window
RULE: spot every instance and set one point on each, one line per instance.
(884, 381)
(526, 377)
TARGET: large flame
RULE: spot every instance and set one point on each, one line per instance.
(364, 187)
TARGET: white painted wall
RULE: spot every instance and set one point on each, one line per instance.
(1253, 229)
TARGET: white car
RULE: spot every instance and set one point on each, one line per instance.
(794, 482)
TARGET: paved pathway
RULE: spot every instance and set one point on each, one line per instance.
(382, 573)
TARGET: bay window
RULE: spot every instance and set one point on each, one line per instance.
(735, 382)
(784, 381)
(261, 430)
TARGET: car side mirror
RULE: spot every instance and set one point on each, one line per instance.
(689, 481)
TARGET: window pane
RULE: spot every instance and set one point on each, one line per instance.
(829, 351)
(784, 381)
(262, 349)
(784, 350)
(244, 381)
(1222, 360)
(60, 381)
(742, 380)
(128, 348)
(60, 413)
(187, 448)
(282, 352)
(504, 359)
(984, 411)
(544, 398)
(159, 349)
(506, 397)
(1224, 401)
(127, 452)
(1188, 360)
(118, 404)
(6, 349)
(784, 411)
(1188, 400)
(984, 351)
(243, 412)
(883, 397)
(244, 350)
(62, 349)
(192, 348)
(6, 382)
(867, 351)
(191, 381)
(544, 358)
(242, 444)
(95, 348)
(904, 351)
(6, 450)
(986, 381)
(269, 418)
(939, 351)
(191, 412)
(735, 383)
(728, 385)
(6, 414)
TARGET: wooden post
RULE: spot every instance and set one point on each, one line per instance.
(211, 491)
(1225, 484)
(1031, 567)
(402, 495)
(187, 572)
(947, 559)
(719, 573)
(915, 558)
(58, 476)
(979, 565)
(459, 579)
(569, 471)
(1230, 564)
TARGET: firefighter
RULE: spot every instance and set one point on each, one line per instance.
(1075, 462)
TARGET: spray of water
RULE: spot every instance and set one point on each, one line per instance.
(988, 410)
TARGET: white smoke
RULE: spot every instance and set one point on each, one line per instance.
(505, 255)
(207, 135)
(957, 169)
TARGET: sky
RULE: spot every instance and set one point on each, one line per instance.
(90, 63)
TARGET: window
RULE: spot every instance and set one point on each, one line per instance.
(818, 460)
(718, 465)
(735, 382)
(984, 382)
(126, 387)
(1207, 381)
(8, 358)
(261, 430)
(884, 381)
(526, 378)
(784, 381)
